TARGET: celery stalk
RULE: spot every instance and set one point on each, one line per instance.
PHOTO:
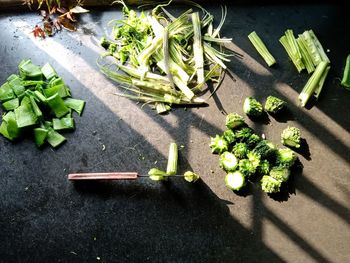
(172, 159)
(198, 48)
(289, 43)
(261, 48)
(346, 75)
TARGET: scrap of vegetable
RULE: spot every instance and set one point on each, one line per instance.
(261, 48)
(164, 60)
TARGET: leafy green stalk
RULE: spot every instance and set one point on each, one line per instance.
(172, 159)
(289, 43)
(261, 48)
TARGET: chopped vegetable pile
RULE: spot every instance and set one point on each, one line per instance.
(164, 60)
(245, 156)
(37, 101)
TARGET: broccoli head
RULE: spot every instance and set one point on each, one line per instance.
(274, 104)
(265, 148)
(191, 177)
(254, 158)
(270, 185)
(291, 136)
(252, 107)
(280, 173)
(243, 134)
(253, 140)
(235, 180)
(218, 144)
(240, 150)
(285, 157)
(228, 161)
(229, 136)
(264, 167)
(234, 120)
(246, 167)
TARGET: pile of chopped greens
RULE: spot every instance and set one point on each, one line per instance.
(248, 157)
(37, 102)
(164, 60)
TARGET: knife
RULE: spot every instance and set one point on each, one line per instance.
(109, 176)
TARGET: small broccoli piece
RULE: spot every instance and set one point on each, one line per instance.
(285, 157)
(274, 105)
(254, 158)
(280, 173)
(270, 185)
(252, 107)
(265, 148)
(156, 174)
(228, 161)
(235, 180)
(243, 134)
(253, 140)
(291, 136)
(264, 167)
(218, 144)
(229, 136)
(240, 150)
(246, 167)
(191, 177)
(234, 120)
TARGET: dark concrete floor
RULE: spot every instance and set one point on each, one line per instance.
(45, 218)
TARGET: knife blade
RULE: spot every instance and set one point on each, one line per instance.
(109, 176)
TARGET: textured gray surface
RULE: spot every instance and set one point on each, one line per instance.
(45, 218)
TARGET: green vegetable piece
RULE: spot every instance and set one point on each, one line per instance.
(54, 138)
(218, 144)
(63, 124)
(11, 104)
(16, 85)
(105, 43)
(57, 105)
(29, 71)
(56, 81)
(270, 184)
(264, 167)
(40, 96)
(229, 136)
(12, 77)
(191, 177)
(243, 134)
(280, 173)
(253, 140)
(172, 159)
(48, 71)
(234, 120)
(240, 150)
(246, 167)
(261, 48)
(6, 92)
(285, 157)
(25, 116)
(235, 181)
(35, 107)
(290, 44)
(62, 90)
(254, 158)
(40, 134)
(9, 128)
(228, 161)
(291, 136)
(274, 105)
(4, 132)
(74, 104)
(266, 149)
(156, 174)
(252, 107)
(346, 74)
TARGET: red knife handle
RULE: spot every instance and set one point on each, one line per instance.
(103, 176)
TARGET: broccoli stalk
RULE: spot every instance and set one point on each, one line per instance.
(252, 107)
(234, 120)
(291, 136)
(274, 105)
(240, 150)
(254, 158)
(270, 184)
(246, 167)
(264, 167)
(235, 181)
(228, 161)
(191, 177)
(265, 148)
(253, 140)
(218, 144)
(243, 134)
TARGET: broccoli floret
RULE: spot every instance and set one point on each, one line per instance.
(264, 167)
(254, 158)
(291, 136)
(270, 185)
(234, 120)
(280, 173)
(246, 167)
(191, 177)
(265, 148)
(218, 144)
(235, 180)
(252, 107)
(228, 161)
(253, 140)
(285, 157)
(229, 136)
(240, 150)
(274, 104)
(243, 134)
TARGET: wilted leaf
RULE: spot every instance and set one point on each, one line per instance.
(66, 23)
(78, 10)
